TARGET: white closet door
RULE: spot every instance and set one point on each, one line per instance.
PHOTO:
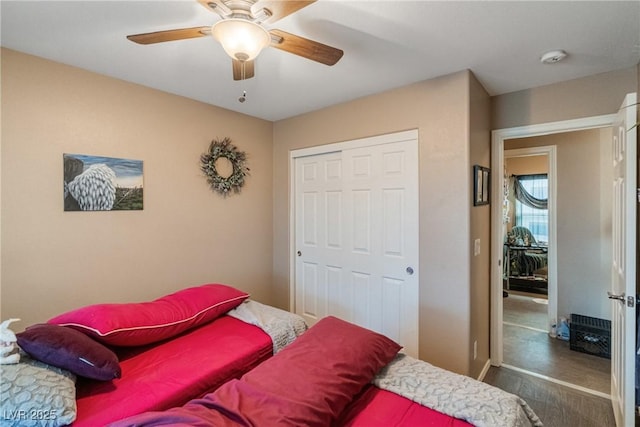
(318, 234)
(357, 238)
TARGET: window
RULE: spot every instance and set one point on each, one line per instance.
(536, 220)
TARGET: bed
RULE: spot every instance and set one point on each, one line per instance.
(339, 374)
(375, 407)
(145, 356)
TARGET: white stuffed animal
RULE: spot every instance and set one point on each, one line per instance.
(9, 353)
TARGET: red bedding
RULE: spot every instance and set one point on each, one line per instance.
(324, 379)
(380, 408)
(317, 381)
(170, 373)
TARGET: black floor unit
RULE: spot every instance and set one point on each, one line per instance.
(590, 335)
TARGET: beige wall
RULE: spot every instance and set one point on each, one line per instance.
(440, 110)
(186, 235)
(480, 291)
(526, 165)
(585, 97)
(583, 217)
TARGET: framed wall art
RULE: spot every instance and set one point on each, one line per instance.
(96, 183)
(481, 185)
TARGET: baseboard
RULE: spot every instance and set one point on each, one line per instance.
(484, 371)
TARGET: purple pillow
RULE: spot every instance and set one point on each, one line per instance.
(69, 349)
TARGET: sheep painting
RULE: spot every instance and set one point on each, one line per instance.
(93, 183)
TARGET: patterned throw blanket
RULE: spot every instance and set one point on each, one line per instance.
(456, 395)
(283, 327)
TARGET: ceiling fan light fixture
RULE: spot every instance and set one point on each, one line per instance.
(241, 39)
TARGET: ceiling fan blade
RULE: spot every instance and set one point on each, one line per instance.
(304, 47)
(170, 35)
(243, 70)
(278, 9)
(216, 6)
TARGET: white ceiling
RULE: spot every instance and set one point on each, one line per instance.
(386, 44)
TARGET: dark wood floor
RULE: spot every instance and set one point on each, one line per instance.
(556, 405)
(528, 347)
(535, 351)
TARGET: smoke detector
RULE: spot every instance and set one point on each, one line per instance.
(553, 56)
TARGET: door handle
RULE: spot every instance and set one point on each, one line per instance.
(630, 300)
(618, 297)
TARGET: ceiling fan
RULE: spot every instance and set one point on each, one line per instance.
(242, 35)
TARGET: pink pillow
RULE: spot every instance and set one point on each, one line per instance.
(142, 323)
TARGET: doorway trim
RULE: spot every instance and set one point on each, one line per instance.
(498, 137)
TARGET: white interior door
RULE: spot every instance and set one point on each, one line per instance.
(623, 289)
(356, 238)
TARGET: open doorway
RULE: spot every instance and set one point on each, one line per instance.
(563, 297)
(535, 332)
